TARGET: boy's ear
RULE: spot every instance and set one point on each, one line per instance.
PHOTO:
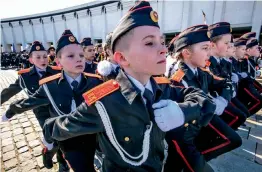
(120, 59)
(186, 53)
(30, 60)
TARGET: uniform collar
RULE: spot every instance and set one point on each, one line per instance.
(186, 69)
(217, 59)
(70, 79)
(129, 90)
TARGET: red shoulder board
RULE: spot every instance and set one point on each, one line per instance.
(208, 63)
(56, 67)
(178, 75)
(23, 71)
(95, 62)
(100, 91)
(162, 80)
(92, 75)
(50, 78)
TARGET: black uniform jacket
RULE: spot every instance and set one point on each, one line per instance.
(62, 94)
(90, 68)
(29, 80)
(129, 118)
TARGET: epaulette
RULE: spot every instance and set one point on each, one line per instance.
(50, 78)
(56, 67)
(204, 69)
(23, 71)
(208, 63)
(162, 80)
(178, 75)
(217, 77)
(100, 91)
(95, 62)
(214, 76)
(92, 75)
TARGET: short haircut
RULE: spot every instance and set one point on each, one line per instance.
(122, 43)
(216, 38)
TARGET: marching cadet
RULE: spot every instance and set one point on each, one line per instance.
(63, 93)
(249, 94)
(198, 145)
(28, 80)
(51, 56)
(99, 53)
(89, 53)
(220, 37)
(132, 112)
(108, 68)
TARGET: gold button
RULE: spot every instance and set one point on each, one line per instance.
(186, 125)
(193, 122)
(126, 139)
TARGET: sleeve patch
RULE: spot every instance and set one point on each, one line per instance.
(162, 80)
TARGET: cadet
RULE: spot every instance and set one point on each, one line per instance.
(195, 143)
(51, 56)
(131, 130)
(99, 53)
(89, 53)
(249, 94)
(28, 80)
(220, 37)
(63, 93)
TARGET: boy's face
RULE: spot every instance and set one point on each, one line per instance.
(39, 59)
(240, 51)
(221, 46)
(146, 52)
(254, 51)
(99, 49)
(72, 59)
(231, 50)
(200, 52)
(52, 52)
(89, 52)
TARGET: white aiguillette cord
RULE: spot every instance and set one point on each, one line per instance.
(112, 138)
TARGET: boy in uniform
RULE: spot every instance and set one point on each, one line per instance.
(62, 93)
(89, 53)
(51, 56)
(131, 113)
(28, 80)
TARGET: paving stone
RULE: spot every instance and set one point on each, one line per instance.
(20, 144)
(23, 120)
(25, 156)
(10, 164)
(247, 150)
(37, 151)
(5, 135)
(8, 155)
(31, 136)
(256, 135)
(23, 149)
(39, 160)
(28, 165)
(38, 129)
(34, 143)
(8, 148)
(16, 126)
(258, 158)
(20, 137)
(14, 121)
(28, 130)
(31, 116)
(6, 142)
(259, 118)
(26, 124)
(251, 123)
(17, 131)
(14, 170)
(243, 132)
(5, 129)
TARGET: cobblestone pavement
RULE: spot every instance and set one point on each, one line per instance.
(20, 141)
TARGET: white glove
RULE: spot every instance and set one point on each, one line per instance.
(49, 146)
(221, 104)
(234, 94)
(258, 73)
(260, 63)
(168, 115)
(4, 118)
(234, 78)
(104, 68)
(243, 74)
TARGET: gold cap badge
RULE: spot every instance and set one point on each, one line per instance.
(154, 16)
(72, 39)
(37, 48)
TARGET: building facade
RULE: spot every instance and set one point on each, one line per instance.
(97, 18)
